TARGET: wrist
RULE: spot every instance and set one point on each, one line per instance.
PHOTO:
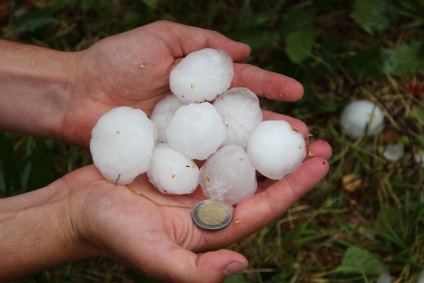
(36, 84)
(37, 232)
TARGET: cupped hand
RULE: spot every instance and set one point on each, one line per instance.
(132, 69)
(155, 233)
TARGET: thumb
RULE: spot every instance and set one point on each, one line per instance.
(224, 262)
(181, 265)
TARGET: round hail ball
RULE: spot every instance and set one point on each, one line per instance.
(241, 113)
(122, 143)
(228, 175)
(171, 172)
(394, 152)
(362, 117)
(419, 158)
(196, 130)
(162, 114)
(276, 149)
(202, 75)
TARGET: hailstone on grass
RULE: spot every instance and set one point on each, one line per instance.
(241, 113)
(362, 117)
(276, 149)
(421, 277)
(162, 114)
(384, 278)
(202, 75)
(228, 175)
(419, 158)
(196, 130)
(122, 143)
(171, 172)
(394, 152)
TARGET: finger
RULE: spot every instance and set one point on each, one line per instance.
(257, 211)
(275, 200)
(176, 264)
(319, 148)
(267, 84)
(185, 39)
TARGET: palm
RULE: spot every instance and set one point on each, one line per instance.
(136, 223)
(129, 69)
(138, 210)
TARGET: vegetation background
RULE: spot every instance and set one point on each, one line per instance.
(367, 217)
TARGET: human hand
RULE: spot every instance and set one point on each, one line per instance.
(133, 69)
(154, 233)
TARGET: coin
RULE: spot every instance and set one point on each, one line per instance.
(212, 214)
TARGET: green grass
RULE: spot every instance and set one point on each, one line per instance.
(340, 51)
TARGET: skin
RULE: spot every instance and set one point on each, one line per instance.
(61, 95)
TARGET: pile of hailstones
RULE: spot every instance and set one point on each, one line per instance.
(205, 120)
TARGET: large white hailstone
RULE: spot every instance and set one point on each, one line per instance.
(421, 277)
(394, 152)
(228, 175)
(362, 117)
(122, 143)
(196, 130)
(202, 75)
(241, 113)
(162, 114)
(171, 172)
(419, 158)
(384, 278)
(276, 149)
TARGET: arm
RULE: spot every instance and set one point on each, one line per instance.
(36, 232)
(35, 86)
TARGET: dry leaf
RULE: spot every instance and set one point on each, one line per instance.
(351, 182)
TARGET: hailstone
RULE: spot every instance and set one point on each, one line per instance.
(362, 117)
(276, 149)
(421, 277)
(241, 113)
(228, 175)
(171, 172)
(162, 114)
(202, 75)
(419, 158)
(122, 143)
(384, 278)
(394, 152)
(196, 130)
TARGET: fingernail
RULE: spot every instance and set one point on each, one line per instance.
(234, 267)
